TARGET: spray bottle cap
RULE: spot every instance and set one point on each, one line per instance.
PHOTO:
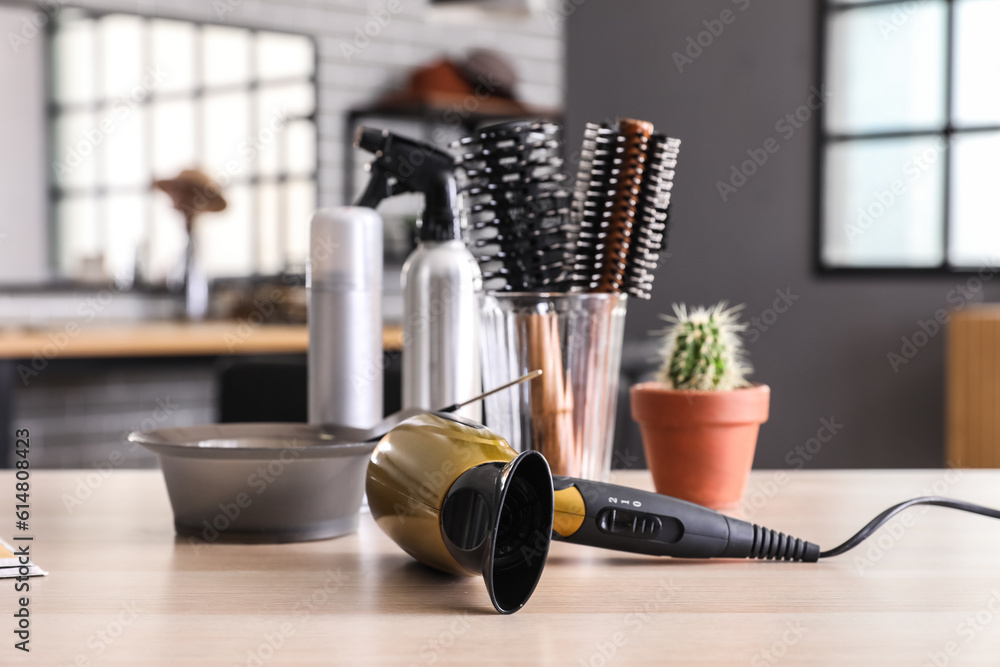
(403, 165)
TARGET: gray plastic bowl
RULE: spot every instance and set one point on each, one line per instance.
(261, 482)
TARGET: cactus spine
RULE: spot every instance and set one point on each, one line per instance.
(702, 349)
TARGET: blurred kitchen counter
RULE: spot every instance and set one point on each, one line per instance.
(152, 339)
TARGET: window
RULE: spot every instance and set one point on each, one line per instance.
(910, 135)
(133, 99)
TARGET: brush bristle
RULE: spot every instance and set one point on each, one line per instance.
(512, 181)
(597, 177)
(652, 215)
(530, 234)
(624, 204)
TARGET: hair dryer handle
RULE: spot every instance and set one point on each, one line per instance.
(617, 517)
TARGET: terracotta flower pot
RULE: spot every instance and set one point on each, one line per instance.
(700, 444)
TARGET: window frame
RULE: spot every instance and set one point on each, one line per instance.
(53, 109)
(824, 139)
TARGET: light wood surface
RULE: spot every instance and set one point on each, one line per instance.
(149, 339)
(973, 395)
(901, 599)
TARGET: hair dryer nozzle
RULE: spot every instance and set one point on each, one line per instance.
(497, 519)
(455, 496)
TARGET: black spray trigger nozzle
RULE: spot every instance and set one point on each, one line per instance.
(370, 139)
(401, 165)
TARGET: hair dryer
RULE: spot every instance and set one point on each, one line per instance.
(455, 496)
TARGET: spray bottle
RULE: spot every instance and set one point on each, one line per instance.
(441, 279)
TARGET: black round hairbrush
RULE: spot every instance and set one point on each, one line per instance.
(513, 186)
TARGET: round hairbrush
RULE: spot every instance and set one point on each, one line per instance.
(651, 216)
(624, 203)
(512, 182)
(596, 181)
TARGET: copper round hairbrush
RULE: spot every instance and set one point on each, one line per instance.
(625, 201)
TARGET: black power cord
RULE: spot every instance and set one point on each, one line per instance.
(880, 520)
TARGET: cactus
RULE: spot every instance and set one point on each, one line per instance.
(702, 349)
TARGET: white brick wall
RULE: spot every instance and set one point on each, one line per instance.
(412, 37)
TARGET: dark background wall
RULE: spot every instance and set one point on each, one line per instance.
(826, 356)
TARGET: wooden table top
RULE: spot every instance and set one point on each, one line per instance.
(123, 591)
(151, 339)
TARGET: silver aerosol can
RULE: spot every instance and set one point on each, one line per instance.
(344, 282)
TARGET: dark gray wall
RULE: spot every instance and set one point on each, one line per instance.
(827, 355)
